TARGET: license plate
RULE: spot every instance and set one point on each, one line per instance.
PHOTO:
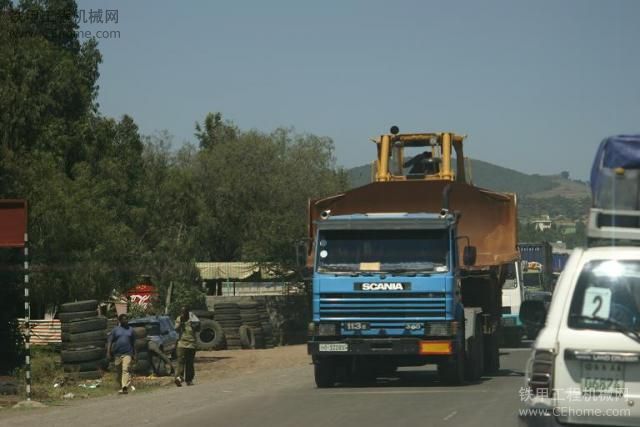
(334, 347)
(602, 378)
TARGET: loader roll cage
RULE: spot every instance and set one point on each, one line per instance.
(440, 146)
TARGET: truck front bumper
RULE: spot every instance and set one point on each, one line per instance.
(382, 347)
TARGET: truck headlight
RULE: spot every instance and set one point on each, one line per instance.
(441, 329)
(327, 329)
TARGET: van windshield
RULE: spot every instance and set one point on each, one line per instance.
(607, 295)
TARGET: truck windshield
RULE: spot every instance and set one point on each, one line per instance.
(383, 250)
(532, 279)
(607, 296)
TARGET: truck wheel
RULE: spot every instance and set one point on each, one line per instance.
(452, 371)
(475, 357)
(324, 372)
(491, 354)
(513, 337)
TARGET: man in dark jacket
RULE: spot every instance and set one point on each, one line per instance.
(121, 345)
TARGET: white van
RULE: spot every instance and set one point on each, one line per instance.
(585, 364)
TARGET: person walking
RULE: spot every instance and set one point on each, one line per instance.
(121, 345)
(187, 325)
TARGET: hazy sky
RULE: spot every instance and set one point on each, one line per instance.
(535, 84)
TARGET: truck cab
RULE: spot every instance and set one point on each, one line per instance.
(386, 293)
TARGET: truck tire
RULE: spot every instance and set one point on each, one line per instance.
(452, 371)
(72, 307)
(512, 337)
(324, 373)
(475, 357)
(68, 317)
(491, 354)
(86, 325)
(210, 336)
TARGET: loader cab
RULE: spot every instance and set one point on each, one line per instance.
(419, 156)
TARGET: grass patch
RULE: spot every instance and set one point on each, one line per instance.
(50, 383)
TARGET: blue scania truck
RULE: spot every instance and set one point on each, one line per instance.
(408, 269)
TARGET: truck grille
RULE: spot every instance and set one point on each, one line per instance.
(383, 306)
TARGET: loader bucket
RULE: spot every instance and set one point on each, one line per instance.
(488, 219)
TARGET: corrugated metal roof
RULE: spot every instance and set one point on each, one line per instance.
(227, 270)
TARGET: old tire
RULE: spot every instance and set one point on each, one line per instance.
(93, 365)
(68, 317)
(142, 366)
(84, 345)
(140, 332)
(324, 373)
(141, 345)
(84, 355)
(72, 307)
(210, 336)
(86, 325)
(84, 336)
(247, 337)
(203, 314)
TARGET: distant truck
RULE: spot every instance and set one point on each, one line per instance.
(559, 260)
(540, 258)
(408, 270)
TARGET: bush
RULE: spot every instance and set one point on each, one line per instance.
(189, 295)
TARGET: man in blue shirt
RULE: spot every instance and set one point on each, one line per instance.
(121, 345)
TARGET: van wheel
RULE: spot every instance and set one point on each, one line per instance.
(324, 371)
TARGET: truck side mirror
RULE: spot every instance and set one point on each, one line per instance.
(533, 312)
(469, 255)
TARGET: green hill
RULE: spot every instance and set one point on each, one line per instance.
(494, 177)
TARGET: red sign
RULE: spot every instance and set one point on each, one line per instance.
(13, 223)
(143, 294)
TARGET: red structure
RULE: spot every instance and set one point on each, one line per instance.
(13, 223)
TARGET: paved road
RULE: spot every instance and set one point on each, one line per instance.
(288, 397)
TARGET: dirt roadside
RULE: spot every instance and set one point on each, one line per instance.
(209, 365)
(212, 365)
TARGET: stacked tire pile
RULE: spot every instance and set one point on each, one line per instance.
(265, 322)
(228, 317)
(251, 333)
(143, 363)
(84, 338)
